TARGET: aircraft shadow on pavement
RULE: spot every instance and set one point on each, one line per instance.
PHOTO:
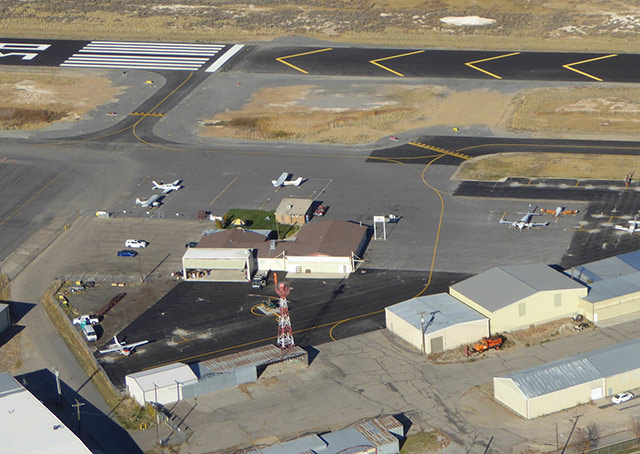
(95, 429)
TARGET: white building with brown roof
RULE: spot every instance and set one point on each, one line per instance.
(331, 248)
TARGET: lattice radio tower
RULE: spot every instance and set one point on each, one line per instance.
(285, 333)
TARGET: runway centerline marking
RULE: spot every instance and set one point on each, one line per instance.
(30, 199)
(226, 187)
(282, 59)
(570, 66)
(472, 64)
(375, 62)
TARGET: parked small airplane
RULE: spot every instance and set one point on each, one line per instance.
(525, 221)
(559, 211)
(122, 347)
(152, 201)
(631, 229)
(283, 180)
(167, 187)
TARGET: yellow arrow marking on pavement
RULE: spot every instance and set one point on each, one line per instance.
(570, 66)
(471, 64)
(375, 62)
(281, 59)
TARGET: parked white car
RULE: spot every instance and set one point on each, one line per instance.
(622, 397)
(136, 243)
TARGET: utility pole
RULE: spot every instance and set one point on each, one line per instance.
(77, 406)
(424, 349)
(57, 373)
(575, 423)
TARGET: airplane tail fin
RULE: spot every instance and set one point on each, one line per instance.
(138, 201)
(155, 184)
(115, 340)
(274, 182)
(176, 182)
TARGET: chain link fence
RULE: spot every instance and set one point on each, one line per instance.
(622, 447)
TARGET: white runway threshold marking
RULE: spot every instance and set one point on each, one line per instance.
(137, 55)
(224, 58)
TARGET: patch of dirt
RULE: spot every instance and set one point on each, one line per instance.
(357, 113)
(548, 165)
(11, 349)
(526, 337)
(35, 99)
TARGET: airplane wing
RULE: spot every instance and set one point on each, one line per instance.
(570, 212)
(175, 183)
(539, 224)
(167, 191)
(504, 221)
(111, 349)
(136, 344)
(548, 211)
(619, 227)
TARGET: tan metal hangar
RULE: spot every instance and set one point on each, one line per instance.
(513, 297)
(571, 381)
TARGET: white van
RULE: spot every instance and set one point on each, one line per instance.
(89, 333)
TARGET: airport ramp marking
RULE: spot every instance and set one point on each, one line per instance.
(141, 55)
(472, 64)
(376, 61)
(282, 59)
(570, 66)
(441, 150)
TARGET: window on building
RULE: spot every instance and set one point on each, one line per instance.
(522, 309)
(557, 299)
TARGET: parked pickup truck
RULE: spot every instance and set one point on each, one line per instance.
(86, 319)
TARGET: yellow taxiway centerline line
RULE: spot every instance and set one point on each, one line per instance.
(471, 64)
(281, 59)
(570, 67)
(222, 192)
(375, 62)
(31, 198)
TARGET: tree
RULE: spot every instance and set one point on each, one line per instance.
(586, 438)
(635, 427)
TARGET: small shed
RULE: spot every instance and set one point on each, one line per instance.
(445, 322)
(5, 317)
(293, 211)
(161, 384)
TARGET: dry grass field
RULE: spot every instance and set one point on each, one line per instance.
(33, 99)
(531, 24)
(549, 165)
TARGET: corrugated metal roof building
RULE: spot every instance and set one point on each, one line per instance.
(517, 296)
(375, 436)
(445, 321)
(28, 427)
(613, 297)
(571, 381)
(620, 265)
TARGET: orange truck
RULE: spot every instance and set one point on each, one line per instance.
(486, 343)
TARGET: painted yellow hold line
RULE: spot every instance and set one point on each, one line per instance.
(282, 59)
(375, 62)
(472, 64)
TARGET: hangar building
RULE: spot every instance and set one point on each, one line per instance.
(445, 321)
(330, 248)
(571, 381)
(513, 297)
(614, 287)
(162, 384)
(29, 427)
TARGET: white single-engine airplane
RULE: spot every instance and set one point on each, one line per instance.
(283, 180)
(152, 201)
(559, 211)
(122, 347)
(167, 187)
(525, 221)
(631, 229)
